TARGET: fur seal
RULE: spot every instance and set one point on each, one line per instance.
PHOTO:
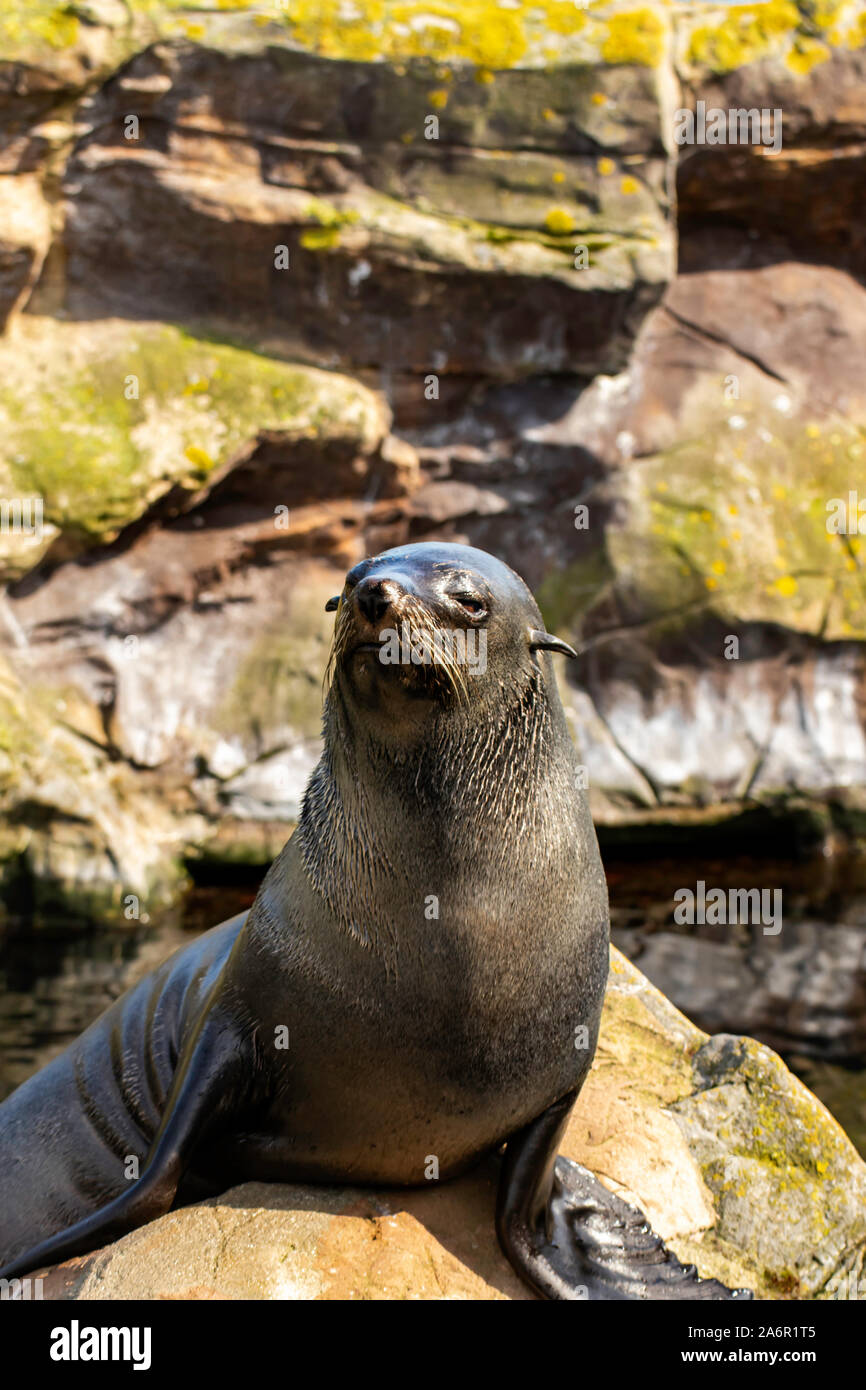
(421, 974)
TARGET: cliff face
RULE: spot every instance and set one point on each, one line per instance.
(281, 290)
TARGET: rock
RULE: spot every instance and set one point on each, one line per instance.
(841, 1090)
(224, 707)
(78, 830)
(25, 235)
(177, 155)
(220, 468)
(736, 1165)
(723, 447)
(755, 1160)
(808, 63)
(802, 990)
(701, 362)
(254, 135)
(386, 262)
(102, 420)
(701, 421)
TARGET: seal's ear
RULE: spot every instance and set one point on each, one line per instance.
(333, 604)
(546, 642)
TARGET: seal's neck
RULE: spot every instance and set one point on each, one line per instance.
(381, 826)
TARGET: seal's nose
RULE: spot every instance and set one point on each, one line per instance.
(375, 596)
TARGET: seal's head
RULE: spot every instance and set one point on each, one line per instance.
(427, 626)
(450, 757)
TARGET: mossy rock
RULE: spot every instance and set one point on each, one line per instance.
(735, 524)
(385, 260)
(785, 1187)
(279, 681)
(99, 420)
(80, 834)
(766, 1144)
(480, 32)
(625, 236)
(717, 39)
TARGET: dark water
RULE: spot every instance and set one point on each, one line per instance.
(801, 990)
(55, 979)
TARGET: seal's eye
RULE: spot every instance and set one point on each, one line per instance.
(471, 602)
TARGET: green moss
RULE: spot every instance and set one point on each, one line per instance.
(564, 595)
(101, 419)
(453, 238)
(735, 522)
(500, 235)
(279, 684)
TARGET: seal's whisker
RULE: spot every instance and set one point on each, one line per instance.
(440, 641)
(441, 644)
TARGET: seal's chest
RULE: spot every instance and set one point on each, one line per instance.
(486, 1021)
(443, 1054)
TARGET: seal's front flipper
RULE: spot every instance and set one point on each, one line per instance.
(569, 1237)
(204, 1090)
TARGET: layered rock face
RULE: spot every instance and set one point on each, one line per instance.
(283, 288)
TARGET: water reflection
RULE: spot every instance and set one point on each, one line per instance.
(57, 978)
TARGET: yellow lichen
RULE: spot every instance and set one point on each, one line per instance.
(199, 457)
(482, 32)
(806, 54)
(747, 32)
(559, 222)
(320, 238)
(634, 37)
(787, 586)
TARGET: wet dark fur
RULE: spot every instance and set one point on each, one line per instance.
(410, 1035)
